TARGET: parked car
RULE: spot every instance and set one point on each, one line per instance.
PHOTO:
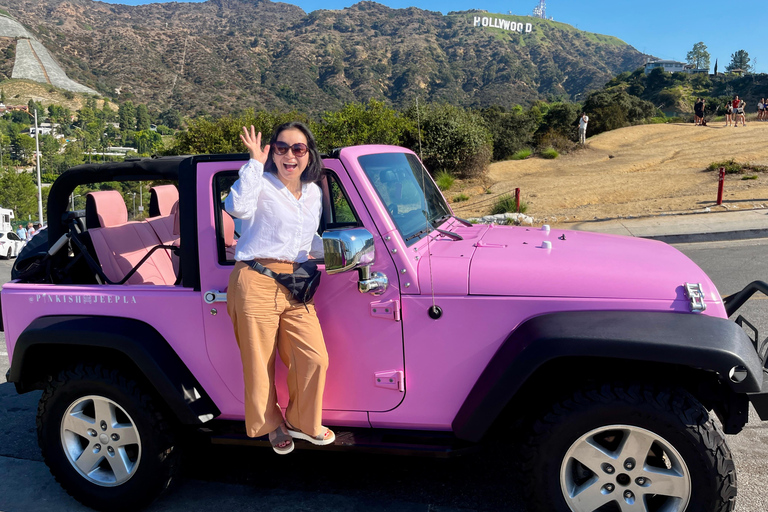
(10, 244)
(605, 353)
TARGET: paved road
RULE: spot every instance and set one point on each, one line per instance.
(240, 479)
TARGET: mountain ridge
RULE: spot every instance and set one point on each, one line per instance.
(225, 55)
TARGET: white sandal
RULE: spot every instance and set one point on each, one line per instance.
(327, 438)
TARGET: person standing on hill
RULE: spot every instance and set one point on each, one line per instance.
(583, 128)
(736, 104)
(761, 109)
(728, 113)
(698, 112)
(738, 113)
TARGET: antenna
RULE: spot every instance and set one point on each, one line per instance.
(540, 11)
(434, 311)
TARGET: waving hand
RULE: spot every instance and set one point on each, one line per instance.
(252, 141)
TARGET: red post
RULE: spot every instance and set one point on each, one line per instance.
(720, 186)
(517, 199)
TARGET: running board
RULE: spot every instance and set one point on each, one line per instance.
(393, 442)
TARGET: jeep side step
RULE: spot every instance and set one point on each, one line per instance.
(382, 441)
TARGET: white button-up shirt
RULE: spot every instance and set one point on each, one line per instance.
(276, 225)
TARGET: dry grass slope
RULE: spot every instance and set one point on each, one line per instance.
(635, 171)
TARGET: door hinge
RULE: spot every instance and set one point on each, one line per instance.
(386, 309)
(695, 296)
(392, 379)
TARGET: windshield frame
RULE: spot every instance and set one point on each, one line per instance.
(393, 174)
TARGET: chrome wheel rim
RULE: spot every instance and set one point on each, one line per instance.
(629, 467)
(101, 441)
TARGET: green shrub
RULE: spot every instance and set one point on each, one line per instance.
(512, 131)
(753, 177)
(358, 123)
(731, 167)
(657, 120)
(444, 180)
(609, 110)
(452, 138)
(464, 197)
(550, 153)
(522, 154)
(506, 204)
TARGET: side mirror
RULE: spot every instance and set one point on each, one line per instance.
(350, 249)
(347, 249)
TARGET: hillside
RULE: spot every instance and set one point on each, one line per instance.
(636, 171)
(225, 55)
(19, 92)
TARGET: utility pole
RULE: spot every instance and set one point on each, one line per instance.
(39, 184)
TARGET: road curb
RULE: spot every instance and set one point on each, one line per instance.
(721, 236)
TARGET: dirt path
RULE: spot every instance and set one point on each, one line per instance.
(635, 171)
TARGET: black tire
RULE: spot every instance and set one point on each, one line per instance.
(124, 475)
(671, 435)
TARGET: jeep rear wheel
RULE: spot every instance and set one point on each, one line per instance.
(630, 448)
(104, 440)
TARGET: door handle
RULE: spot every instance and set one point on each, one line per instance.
(212, 296)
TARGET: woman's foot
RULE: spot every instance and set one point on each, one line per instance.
(281, 440)
(323, 439)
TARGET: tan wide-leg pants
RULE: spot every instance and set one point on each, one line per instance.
(268, 321)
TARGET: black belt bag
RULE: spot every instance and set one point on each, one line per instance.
(302, 283)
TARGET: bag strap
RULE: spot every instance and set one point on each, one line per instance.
(261, 269)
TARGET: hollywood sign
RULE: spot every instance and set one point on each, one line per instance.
(502, 24)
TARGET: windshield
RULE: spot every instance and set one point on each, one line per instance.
(410, 195)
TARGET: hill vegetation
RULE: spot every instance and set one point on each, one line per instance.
(228, 55)
(676, 93)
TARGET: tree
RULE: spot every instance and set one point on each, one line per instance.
(127, 115)
(19, 193)
(171, 118)
(357, 123)
(142, 118)
(739, 60)
(453, 139)
(699, 56)
(715, 67)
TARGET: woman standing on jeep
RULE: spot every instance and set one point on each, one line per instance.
(280, 204)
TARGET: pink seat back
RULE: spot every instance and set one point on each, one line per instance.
(104, 209)
(161, 200)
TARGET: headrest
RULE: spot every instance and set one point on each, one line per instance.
(228, 223)
(176, 221)
(105, 208)
(161, 200)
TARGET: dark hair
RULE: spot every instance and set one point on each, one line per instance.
(314, 170)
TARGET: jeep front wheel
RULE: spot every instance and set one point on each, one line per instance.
(630, 448)
(104, 440)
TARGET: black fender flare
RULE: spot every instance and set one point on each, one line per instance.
(691, 340)
(138, 341)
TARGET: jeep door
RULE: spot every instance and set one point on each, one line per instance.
(362, 332)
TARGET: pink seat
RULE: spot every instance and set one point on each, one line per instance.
(229, 234)
(120, 246)
(161, 200)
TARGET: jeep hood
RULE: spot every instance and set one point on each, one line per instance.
(514, 261)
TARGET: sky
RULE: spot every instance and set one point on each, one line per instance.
(666, 29)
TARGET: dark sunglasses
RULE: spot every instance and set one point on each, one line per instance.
(298, 149)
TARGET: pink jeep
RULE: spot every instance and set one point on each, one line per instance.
(607, 352)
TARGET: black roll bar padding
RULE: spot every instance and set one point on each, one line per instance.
(733, 302)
